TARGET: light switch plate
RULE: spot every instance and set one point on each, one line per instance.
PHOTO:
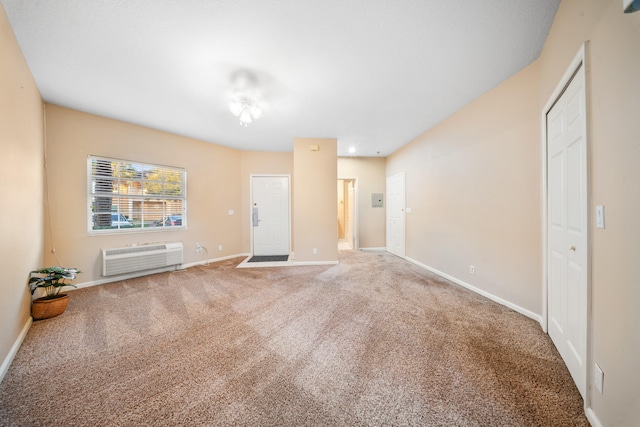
(598, 378)
(599, 216)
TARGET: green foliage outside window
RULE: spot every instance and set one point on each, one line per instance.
(127, 195)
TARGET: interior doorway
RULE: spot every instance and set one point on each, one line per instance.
(395, 215)
(347, 235)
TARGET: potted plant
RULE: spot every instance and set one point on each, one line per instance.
(52, 279)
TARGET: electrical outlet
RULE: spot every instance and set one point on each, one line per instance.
(598, 378)
(219, 247)
(198, 248)
(472, 269)
(315, 251)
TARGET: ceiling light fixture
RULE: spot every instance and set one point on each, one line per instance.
(352, 150)
(245, 103)
(246, 108)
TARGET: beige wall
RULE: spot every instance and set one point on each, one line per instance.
(369, 173)
(254, 163)
(314, 199)
(473, 183)
(21, 187)
(615, 183)
(213, 188)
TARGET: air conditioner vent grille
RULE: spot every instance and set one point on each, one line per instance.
(135, 249)
(140, 258)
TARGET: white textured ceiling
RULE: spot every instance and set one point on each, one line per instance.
(372, 73)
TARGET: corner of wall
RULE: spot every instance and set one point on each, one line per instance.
(21, 189)
(315, 231)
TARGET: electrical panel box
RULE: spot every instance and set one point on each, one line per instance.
(377, 200)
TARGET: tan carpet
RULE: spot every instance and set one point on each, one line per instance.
(373, 340)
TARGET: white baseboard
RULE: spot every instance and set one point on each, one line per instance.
(193, 264)
(148, 272)
(315, 262)
(14, 348)
(124, 277)
(515, 307)
(593, 418)
(373, 249)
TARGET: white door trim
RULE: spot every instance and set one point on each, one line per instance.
(356, 221)
(250, 224)
(402, 249)
(581, 59)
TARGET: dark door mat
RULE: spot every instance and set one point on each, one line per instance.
(269, 258)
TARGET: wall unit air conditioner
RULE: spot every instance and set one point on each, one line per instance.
(132, 259)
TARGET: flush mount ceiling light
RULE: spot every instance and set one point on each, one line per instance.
(245, 102)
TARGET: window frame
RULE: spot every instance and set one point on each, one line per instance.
(141, 198)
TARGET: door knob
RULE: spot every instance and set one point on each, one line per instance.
(572, 248)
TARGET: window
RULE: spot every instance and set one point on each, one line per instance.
(126, 196)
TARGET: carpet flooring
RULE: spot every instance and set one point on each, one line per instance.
(371, 341)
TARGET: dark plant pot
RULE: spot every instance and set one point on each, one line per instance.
(47, 307)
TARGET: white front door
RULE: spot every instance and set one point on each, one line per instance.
(395, 214)
(567, 227)
(270, 215)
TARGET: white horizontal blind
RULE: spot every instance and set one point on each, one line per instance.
(125, 196)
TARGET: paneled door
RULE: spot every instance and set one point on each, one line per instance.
(567, 257)
(395, 214)
(270, 215)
